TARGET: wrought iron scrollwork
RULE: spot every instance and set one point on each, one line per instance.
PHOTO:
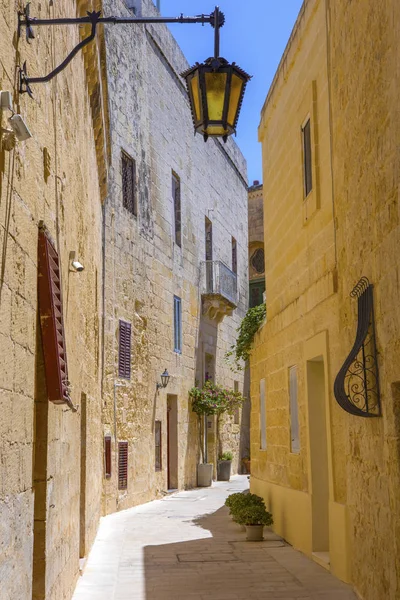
(356, 385)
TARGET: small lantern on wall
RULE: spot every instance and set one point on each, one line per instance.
(216, 89)
(164, 380)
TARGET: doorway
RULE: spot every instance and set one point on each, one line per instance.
(172, 442)
(82, 498)
(318, 458)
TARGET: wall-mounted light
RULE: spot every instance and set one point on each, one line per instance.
(75, 265)
(164, 380)
(19, 129)
(216, 87)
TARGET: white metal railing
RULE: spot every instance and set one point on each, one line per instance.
(219, 279)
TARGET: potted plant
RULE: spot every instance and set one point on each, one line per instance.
(235, 502)
(255, 517)
(224, 466)
(203, 406)
(212, 399)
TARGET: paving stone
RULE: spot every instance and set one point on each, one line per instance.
(199, 555)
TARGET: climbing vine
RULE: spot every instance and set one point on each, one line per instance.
(240, 351)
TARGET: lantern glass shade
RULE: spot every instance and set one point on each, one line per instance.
(195, 94)
(216, 89)
(165, 378)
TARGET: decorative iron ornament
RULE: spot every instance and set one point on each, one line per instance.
(356, 386)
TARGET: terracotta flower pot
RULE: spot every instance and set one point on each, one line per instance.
(254, 533)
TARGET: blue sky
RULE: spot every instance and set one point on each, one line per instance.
(254, 36)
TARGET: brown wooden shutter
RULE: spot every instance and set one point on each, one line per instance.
(176, 196)
(107, 456)
(51, 319)
(129, 183)
(124, 350)
(122, 465)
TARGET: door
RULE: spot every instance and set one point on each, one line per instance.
(172, 442)
(319, 457)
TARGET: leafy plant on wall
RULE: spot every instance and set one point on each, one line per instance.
(240, 350)
(213, 399)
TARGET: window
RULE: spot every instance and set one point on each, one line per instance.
(294, 411)
(234, 255)
(107, 456)
(158, 446)
(263, 417)
(307, 166)
(256, 292)
(129, 183)
(176, 197)
(122, 465)
(236, 416)
(124, 351)
(257, 261)
(208, 238)
(177, 324)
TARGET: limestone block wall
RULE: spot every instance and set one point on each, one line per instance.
(302, 306)
(44, 508)
(256, 226)
(366, 127)
(144, 268)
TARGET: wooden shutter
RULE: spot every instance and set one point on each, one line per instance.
(124, 350)
(176, 196)
(51, 319)
(234, 255)
(122, 465)
(129, 183)
(107, 456)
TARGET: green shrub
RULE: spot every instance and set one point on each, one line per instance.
(235, 502)
(253, 514)
(226, 456)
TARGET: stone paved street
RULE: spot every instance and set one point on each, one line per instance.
(185, 547)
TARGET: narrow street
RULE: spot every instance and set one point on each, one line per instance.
(185, 547)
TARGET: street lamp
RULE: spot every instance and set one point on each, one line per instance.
(215, 87)
(164, 380)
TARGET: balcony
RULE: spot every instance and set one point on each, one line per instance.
(218, 289)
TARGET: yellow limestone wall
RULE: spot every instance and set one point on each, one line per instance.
(365, 144)
(302, 304)
(49, 506)
(341, 69)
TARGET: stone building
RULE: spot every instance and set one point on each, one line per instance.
(175, 270)
(51, 192)
(256, 245)
(328, 130)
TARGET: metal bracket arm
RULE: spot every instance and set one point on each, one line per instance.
(216, 20)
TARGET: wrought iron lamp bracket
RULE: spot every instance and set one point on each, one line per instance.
(356, 386)
(216, 20)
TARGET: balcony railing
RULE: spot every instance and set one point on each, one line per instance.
(220, 280)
